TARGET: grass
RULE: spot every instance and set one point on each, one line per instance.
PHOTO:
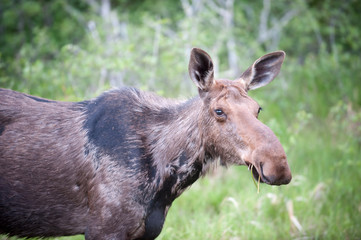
(321, 202)
(322, 138)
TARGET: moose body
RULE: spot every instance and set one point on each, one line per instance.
(111, 167)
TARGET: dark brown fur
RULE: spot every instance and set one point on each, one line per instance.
(111, 167)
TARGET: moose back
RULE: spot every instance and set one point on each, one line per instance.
(110, 168)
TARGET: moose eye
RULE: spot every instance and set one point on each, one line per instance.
(219, 112)
(220, 115)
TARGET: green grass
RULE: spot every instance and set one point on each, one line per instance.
(325, 158)
(324, 195)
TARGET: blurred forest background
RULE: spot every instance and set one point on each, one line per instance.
(71, 50)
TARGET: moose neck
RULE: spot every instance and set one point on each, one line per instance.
(177, 145)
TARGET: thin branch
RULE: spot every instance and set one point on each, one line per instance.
(264, 32)
(263, 28)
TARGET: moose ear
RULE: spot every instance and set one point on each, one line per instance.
(263, 70)
(201, 69)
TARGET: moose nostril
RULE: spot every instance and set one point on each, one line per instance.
(264, 177)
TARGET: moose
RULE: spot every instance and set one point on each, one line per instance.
(110, 167)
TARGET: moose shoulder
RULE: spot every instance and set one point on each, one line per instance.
(111, 167)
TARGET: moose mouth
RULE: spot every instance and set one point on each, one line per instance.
(256, 174)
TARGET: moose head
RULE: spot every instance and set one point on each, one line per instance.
(230, 117)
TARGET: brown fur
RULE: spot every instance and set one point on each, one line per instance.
(111, 167)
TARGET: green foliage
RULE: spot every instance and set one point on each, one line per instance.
(21, 19)
(69, 50)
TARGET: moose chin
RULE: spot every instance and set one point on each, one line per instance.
(110, 167)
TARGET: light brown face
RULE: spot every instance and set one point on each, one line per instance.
(234, 132)
(238, 137)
